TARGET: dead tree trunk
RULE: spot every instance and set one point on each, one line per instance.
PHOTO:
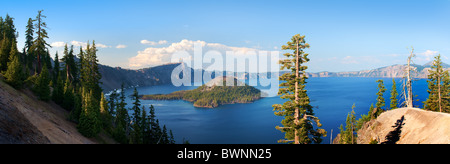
(409, 99)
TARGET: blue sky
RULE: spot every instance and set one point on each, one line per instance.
(344, 35)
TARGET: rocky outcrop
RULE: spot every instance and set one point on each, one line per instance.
(407, 126)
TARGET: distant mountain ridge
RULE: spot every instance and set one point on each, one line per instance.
(112, 77)
(393, 71)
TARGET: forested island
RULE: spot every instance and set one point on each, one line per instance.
(213, 94)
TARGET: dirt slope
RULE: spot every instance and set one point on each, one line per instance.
(407, 126)
(40, 122)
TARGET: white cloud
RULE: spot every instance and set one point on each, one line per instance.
(78, 43)
(152, 43)
(156, 56)
(121, 46)
(427, 55)
(99, 45)
(84, 44)
(57, 44)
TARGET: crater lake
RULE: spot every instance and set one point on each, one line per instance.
(254, 123)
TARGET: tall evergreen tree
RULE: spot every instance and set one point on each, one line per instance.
(164, 136)
(40, 44)
(14, 74)
(89, 124)
(348, 135)
(70, 69)
(29, 34)
(56, 68)
(90, 73)
(7, 40)
(29, 58)
(75, 113)
(8, 30)
(137, 119)
(121, 119)
(47, 60)
(154, 126)
(380, 99)
(5, 51)
(146, 127)
(298, 113)
(105, 116)
(68, 100)
(438, 87)
(112, 102)
(171, 139)
(42, 86)
(394, 95)
(58, 91)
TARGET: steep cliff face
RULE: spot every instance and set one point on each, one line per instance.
(407, 126)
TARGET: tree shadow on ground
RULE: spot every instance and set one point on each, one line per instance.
(393, 136)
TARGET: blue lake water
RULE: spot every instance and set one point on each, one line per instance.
(254, 123)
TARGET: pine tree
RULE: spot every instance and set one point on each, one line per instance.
(298, 113)
(121, 120)
(164, 136)
(90, 75)
(42, 88)
(136, 137)
(157, 132)
(83, 124)
(47, 60)
(105, 116)
(438, 87)
(8, 30)
(154, 126)
(56, 69)
(29, 35)
(8, 40)
(58, 91)
(394, 95)
(112, 102)
(39, 44)
(380, 99)
(145, 127)
(89, 124)
(171, 139)
(68, 100)
(29, 58)
(14, 74)
(347, 135)
(70, 69)
(5, 51)
(75, 113)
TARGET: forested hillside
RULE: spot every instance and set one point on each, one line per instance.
(72, 83)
